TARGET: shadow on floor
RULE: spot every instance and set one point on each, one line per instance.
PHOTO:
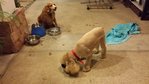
(120, 62)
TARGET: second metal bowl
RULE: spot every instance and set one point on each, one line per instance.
(54, 31)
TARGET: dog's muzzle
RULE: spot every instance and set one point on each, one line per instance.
(55, 8)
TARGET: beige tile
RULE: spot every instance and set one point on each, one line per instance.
(4, 62)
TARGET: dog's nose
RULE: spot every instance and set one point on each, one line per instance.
(55, 8)
(63, 65)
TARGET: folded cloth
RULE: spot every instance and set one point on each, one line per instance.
(121, 33)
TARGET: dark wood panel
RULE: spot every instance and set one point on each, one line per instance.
(144, 13)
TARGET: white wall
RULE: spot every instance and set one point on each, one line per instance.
(138, 1)
(8, 6)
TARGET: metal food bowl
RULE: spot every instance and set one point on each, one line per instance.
(32, 39)
(54, 31)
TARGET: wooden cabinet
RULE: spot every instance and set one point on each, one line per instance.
(13, 32)
(140, 7)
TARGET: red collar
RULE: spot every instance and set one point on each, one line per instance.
(78, 58)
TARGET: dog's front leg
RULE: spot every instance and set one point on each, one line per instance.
(87, 66)
(55, 22)
(96, 51)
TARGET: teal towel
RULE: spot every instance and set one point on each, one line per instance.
(121, 32)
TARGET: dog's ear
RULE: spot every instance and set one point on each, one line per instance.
(48, 11)
(71, 61)
(64, 60)
(47, 8)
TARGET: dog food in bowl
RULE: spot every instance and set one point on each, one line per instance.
(54, 31)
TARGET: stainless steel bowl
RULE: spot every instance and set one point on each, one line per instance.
(54, 31)
(32, 39)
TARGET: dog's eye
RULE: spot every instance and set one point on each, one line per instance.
(50, 5)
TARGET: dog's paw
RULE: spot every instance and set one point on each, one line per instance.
(57, 26)
(103, 56)
(95, 51)
(86, 68)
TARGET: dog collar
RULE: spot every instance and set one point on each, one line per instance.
(78, 58)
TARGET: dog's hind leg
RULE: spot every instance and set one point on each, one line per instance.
(103, 47)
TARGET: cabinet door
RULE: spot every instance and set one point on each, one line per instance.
(5, 29)
(7, 6)
(145, 13)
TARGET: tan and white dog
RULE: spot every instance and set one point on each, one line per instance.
(84, 48)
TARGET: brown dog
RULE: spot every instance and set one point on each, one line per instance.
(47, 16)
(84, 48)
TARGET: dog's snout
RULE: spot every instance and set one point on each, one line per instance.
(63, 65)
(54, 8)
